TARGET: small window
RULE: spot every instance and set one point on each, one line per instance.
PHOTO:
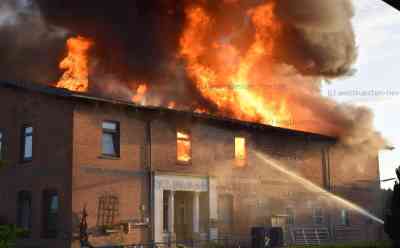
(50, 214)
(290, 216)
(318, 216)
(108, 210)
(240, 151)
(110, 140)
(1, 145)
(27, 143)
(183, 147)
(24, 210)
(344, 217)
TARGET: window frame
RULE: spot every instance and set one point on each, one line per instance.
(189, 134)
(116, 135)
(291, 216)
(24, 136)
(47, 196)
(108, 207)
(344, 218)
(2, 144)
(318, 217)
(21, 197)
(240, 163)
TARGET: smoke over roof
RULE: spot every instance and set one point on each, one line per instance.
(138, 41)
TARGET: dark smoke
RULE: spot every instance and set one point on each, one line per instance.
(138, 41)
(321, 34)
(29, 47)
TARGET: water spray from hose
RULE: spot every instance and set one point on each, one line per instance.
(315, 188)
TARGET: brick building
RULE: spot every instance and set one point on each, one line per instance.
(151, 174)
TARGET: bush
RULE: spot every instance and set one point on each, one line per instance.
(9, 234)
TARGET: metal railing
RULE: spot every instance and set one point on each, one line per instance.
(216, 243)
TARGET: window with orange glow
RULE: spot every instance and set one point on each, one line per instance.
(183, 147)
(240, 151)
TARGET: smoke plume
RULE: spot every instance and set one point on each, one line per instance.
(29, 47)
(141, 41)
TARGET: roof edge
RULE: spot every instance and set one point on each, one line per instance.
(51, 90)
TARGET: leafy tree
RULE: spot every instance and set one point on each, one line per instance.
(392, 218)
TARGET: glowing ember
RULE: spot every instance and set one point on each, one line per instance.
(140, 93)
(183, 147)
(171, 105)
(231, 86)
(200, 110)
(76, 75)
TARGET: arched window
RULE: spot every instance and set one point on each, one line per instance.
(24, 210)
(108, 209)
(50, 201)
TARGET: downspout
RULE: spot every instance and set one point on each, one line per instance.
(330, 189)
(150, 176)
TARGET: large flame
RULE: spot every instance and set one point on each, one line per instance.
(240, 78)
(229, 80)
(140, 93)
(76, 66)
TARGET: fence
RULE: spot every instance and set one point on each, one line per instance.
(228, 243)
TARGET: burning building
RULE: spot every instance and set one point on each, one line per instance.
(163, 174)
(183, 120)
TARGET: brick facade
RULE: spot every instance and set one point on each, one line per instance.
(67, 157)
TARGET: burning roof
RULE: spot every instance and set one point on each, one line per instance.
(255, 61)
(80, 96)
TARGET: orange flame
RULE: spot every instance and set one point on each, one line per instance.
(240, 151)
(76, 66)
(171, 105)
(231, 86)
(183, 147)
(140, 93)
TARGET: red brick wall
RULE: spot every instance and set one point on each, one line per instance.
(69, 134)
(51, 119)
(260, 191)
(123, 177)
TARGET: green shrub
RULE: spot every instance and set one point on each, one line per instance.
(9, 234)
(2, 163)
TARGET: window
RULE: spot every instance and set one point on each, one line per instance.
(24, 210)
(240, 151)
(344, 217)
(50, 213)
(290, 216)
(108, 210)
(318, 216)
(27, 140)
(110, 141)
(165, 210)
(183, 147)
(1, 146)
(226, 222)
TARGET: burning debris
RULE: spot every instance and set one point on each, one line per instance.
(258, 61)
